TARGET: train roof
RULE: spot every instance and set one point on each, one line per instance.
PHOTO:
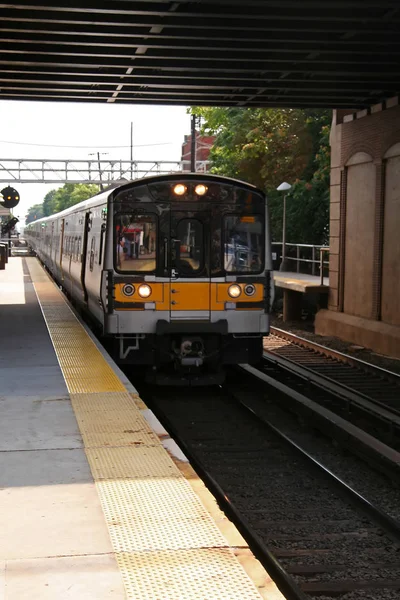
(102, 197)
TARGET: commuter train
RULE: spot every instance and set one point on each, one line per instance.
(176, 271)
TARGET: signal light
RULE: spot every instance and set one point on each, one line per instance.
(10, 197)
(9, 225)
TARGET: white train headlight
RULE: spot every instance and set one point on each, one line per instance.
(234, 290)
(144, 290)
(200, 189)
(180, 189)
(128, 289)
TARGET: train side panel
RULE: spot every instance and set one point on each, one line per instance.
(96, 242)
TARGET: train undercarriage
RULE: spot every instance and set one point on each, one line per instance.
(187, 359)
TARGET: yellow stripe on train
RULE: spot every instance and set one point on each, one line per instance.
(185, 296)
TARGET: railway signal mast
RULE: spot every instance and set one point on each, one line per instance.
(9, 198)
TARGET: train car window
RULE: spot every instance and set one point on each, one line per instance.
(187, 251)
(102, 234)
(136, 242)
(92, 248)
(243, 243)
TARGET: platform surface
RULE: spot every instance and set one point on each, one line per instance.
(92, 507)
(54, 541)
(300, 282)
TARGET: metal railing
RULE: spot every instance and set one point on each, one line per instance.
(306, 258)
(40, 170)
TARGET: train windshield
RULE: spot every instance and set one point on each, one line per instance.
(136, 239)
(243, 244)
(187, 252)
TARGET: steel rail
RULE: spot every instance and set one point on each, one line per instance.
(339, 389)
(261, 549)
(283, 580)
(391, 526)
(335, 354)
(349, 435)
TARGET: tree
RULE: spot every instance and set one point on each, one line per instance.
(307, 208)
(266, 146)
(35, 212)
(58, 200)
(309, 214)
(73, 193)
(49, 203)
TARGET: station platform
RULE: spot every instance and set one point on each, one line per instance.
(96, 501)
(294, 286)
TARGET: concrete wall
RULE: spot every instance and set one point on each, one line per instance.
(359, 232)
(391, 243)
(365, 229)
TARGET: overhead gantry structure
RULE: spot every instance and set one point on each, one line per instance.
(286, 53)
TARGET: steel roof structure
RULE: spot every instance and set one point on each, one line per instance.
(287, 53)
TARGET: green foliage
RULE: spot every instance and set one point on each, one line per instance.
(35, 212)
(49, 203)
(58, 200)
(265, 147)
(310, 199)
(71, 194)
(307, 207)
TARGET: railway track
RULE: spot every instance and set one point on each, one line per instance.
(381, 385)
(315, 534)
(367, 396)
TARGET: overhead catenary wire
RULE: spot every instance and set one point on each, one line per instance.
(74, 146)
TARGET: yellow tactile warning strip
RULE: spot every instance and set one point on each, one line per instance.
(76, 352)
(165, 542)
(204, 572)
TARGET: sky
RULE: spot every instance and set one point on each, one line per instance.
(63, 128)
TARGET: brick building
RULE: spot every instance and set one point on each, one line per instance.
(364, 295)
(203, 147)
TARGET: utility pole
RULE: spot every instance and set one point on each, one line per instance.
(193, 146)
(98, 162)
(131, 150)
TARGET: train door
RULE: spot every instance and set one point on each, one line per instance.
(51, 247)
(84, 257)
(61, 248)
(190, 265)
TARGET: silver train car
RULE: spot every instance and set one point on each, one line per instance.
(175, 270)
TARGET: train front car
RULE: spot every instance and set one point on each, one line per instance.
(192, 280)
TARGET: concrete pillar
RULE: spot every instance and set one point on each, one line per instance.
(292, 303)
(364, 293)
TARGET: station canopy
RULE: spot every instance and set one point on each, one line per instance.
(297, 53)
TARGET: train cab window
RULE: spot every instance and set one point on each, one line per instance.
(187, 250)
(243, 243)
(136, 242)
